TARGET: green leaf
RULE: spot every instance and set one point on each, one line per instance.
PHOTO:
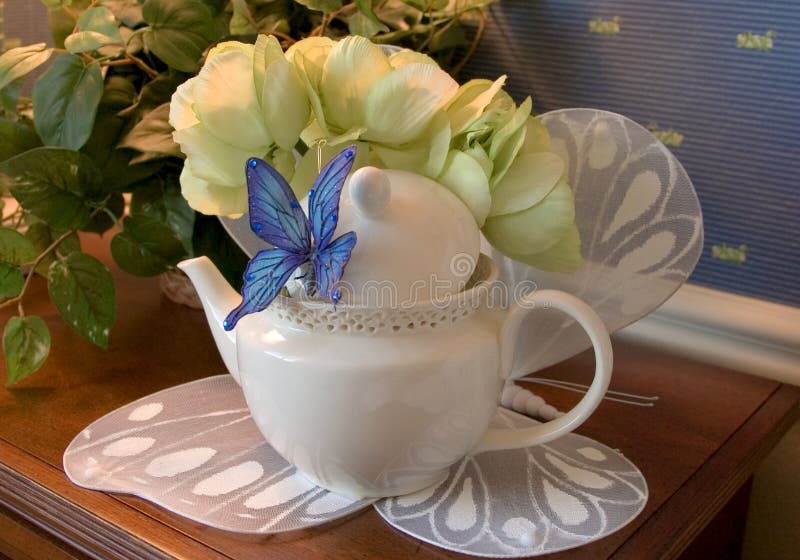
(53, 184)
(26, 344)
(211, 239)
(55, 4)
(42, 237)
(16, 138)
(241, 18)
(146, 247)
(166, 204)
(118, 93)
(11, 280)
(179, 32)
(321, 5)
(102, 222)
(448, 37)
(82, 289)
(15, 249)
(96, 28)
(16, 63)
(153, 134)
(129, 12)
(374, 24)
(65, 100)
(359, 24)
(10, 95)
(154, 93)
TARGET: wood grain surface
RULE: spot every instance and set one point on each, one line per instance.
(698, 445)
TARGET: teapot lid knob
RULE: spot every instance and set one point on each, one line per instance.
(370, 191)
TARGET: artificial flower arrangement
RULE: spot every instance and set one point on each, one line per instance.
(297, 109)
(96, 128)
(100, 126)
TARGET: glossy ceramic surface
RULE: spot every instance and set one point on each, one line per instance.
(386, 414)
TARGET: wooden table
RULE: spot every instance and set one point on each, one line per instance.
(697, 447)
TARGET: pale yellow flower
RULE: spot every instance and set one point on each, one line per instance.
(247, 100)
(393, 103)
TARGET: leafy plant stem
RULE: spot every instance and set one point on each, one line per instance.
(72, 13)
(142, 66)
(113, 216)
(35, 263)
(474, 45)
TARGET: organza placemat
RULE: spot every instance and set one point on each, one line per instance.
(194, 450)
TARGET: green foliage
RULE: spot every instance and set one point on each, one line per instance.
(66, 98)
(42, 237)
(26, 344)
(15, 248)
(16, 137)
(11, 280)
(82, 290)
(96, 27)
(54, 184)
(179, 31)
(146, 246)
(152, 136)
(100, 129)
(17, 63)
(321, 5)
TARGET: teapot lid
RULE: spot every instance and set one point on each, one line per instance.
(416, 241)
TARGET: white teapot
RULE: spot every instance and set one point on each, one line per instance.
(381, 393)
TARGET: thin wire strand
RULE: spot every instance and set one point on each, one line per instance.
(545, 380)
(320, 144)
(579, 388)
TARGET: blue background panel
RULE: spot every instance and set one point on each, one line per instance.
(731, 102)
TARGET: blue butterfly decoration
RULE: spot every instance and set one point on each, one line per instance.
(277, 218)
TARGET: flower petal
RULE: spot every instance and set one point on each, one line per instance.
(228, 46)
(425, 155)
(212, 199)
(536, 229)
(284, 104)
(529, 179)
(353, 65)
(510, 128)
(506, 157)
(225, 100)
(564, 256)
(310, 72)
(265, 51)
(464, 177)
(402, 103)
(537, 138)
(470, 101)
(181, 114)
(407, 56)
(212, 159)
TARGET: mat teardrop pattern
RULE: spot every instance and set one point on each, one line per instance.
(194, 450)
(510, 504)
(640, 225)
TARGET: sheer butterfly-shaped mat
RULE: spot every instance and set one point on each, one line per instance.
(194, 450)
(640, 224)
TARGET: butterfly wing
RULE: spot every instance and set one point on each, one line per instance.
(329, 265)
(275, 214)
(263, 279)
(323, 200)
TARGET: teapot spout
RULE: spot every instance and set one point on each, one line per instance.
(218, 298)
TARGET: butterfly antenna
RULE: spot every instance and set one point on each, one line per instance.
(321, 143)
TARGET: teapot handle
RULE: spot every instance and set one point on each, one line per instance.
(515, 438)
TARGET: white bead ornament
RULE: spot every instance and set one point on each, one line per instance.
(526, 402)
